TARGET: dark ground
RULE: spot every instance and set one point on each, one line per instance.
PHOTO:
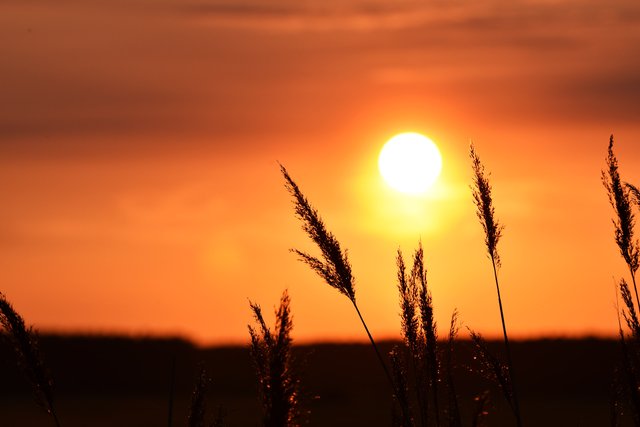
(111, 381)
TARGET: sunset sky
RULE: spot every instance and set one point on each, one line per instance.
(140, 141)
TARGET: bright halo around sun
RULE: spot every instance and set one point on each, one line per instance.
(410, 163)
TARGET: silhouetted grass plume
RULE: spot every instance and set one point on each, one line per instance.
(630, 315)
(334, 267)
(420, 336)
(493, 231)
(428, 328)
(271, 351)
(412, 335)
(25, 343)
(620, 197)
(624, 222)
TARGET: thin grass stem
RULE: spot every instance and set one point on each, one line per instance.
(635, 288)
(516, 403)
(375, 347)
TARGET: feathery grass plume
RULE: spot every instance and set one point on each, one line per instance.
(413, 335)
(484, 203)
(630, 315)
(402, 388)
(408, 303)
(493, 231)
(25, 343)
(271, 351)
(334, 267)
(620, 199)
(635, 192)
(492, 368)
(481, 409)
(428, 326)
(198, 404)
(453, 410)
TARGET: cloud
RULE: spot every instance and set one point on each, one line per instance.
(258, 71)
(310, 18)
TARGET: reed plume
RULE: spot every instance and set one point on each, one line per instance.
(334, 267)
(630, 315)
(428, 327)
(408, 304)
(25, 344)
(271, 352)
(620, 199)
(493, 231)
(635, 192)
(485, 210)
(412, 334)
(420, 335)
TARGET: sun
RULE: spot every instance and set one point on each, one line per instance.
(410, 163)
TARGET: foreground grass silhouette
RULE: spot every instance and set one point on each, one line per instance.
(428, 377)
(493, 231)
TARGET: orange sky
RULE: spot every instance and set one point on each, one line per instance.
(139, 143)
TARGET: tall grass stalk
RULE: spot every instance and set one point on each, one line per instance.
(493, 231)
(620, 199)
(25, 344)
(428, 328)
(271, 352)
(412, 333)
(420, 335)
(334, 267)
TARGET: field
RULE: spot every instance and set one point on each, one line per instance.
(108, 381)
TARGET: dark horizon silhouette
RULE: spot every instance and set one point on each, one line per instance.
(115, 380)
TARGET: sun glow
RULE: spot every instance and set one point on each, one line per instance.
(410, 163)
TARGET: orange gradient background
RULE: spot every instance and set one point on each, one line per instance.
(140, 141)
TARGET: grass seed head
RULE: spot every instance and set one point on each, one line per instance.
(25, 343)
(334, 266)
(620, 199)
(484, 203)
